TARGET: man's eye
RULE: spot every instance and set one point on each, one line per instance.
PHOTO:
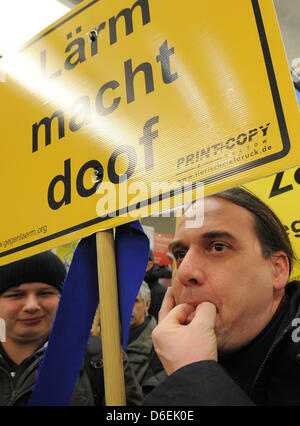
(13, 295)
(179, 254)
(218, 247)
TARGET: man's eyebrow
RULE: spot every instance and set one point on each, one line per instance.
(207, 236)
(218, 234)
(22, 290)
(15, 290)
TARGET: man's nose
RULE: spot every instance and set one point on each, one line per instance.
(191, 269)
(31, 304)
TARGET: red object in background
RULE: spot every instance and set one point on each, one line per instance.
(160, 249)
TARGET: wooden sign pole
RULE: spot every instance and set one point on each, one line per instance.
(96, 322)
(110, 324)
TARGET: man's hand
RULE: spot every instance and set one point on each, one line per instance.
(178, 344)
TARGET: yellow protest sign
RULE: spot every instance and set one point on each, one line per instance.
(281, 192)
(116, 109)
(65, 252)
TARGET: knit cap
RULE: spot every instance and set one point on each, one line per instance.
(44, 267)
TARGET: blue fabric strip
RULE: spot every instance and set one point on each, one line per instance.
(132, 254)
(77, 307)
(297, 95)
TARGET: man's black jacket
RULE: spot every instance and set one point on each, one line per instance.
(275, 380)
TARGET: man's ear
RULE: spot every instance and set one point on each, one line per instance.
(280, 263)
(148, 303)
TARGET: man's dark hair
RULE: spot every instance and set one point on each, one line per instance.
(268, 227)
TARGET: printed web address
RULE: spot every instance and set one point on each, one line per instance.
(22, 236)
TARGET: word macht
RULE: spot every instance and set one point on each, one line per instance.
(87, 110)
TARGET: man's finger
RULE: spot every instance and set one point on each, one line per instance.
(179, 314)
(205, 312)
(167, 304)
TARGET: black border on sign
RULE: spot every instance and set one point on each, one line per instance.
(60, 23)
(280, 118)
